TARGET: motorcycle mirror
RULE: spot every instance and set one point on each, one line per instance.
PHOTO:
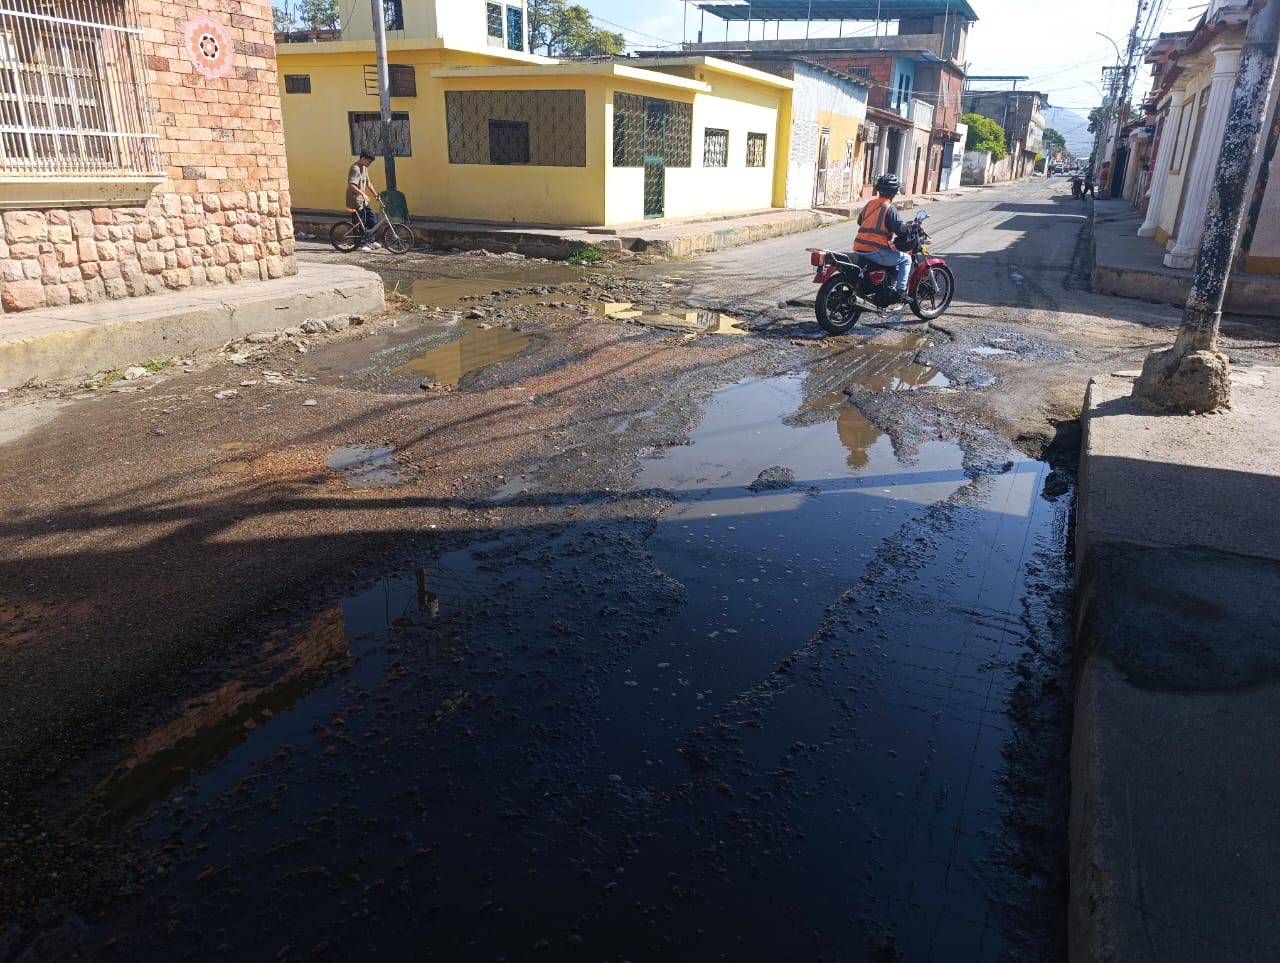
(921, 215)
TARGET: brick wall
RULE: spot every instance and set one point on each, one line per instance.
(222, 214)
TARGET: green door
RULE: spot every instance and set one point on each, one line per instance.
(656, 116)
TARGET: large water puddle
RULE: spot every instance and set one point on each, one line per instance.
(479, 347)
(760, 555)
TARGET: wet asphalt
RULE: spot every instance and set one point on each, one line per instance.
(568, 622)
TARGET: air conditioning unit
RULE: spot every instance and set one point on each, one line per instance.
(869, 133)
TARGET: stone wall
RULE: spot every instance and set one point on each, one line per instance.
(222, 213)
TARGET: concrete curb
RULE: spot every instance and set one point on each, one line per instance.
(680, 239)
(60, 343)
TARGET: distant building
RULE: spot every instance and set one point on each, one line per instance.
(1019, 113)
(915, 75)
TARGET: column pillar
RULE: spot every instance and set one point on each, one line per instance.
(1182, 250)
(1160, 166)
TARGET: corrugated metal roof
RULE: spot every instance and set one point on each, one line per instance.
(819, 10)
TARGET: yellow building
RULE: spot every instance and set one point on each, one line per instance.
(484, 130)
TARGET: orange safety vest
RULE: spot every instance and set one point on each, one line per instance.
(872, 234)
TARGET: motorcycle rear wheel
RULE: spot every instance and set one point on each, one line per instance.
(934, 292)
(834, 306)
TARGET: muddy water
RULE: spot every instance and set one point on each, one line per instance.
(809, 712)
(479, 347)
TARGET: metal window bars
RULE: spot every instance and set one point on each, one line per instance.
(756, 149)
(74, 96)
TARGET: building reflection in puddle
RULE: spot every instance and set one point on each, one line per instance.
(212, 724)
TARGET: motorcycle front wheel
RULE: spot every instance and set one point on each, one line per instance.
(934, 292)
(835, 308)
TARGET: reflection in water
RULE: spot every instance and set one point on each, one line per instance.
(892, 366)
(212, 724)
(367, 466)
(476, 349)
(856, 434)
(703, 322)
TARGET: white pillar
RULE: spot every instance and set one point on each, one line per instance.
(1160, 166)
(1195, 201)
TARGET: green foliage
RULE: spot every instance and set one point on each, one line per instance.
(282, 17)
(985, 135)
(588, 255)
(1053, 141)
(567, 31)
(319, 14)
(155, 364)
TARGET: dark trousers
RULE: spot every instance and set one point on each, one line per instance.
(367, 217)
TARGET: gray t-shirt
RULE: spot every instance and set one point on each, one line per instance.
(357, 180)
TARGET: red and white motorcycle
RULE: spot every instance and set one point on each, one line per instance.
(851, 284)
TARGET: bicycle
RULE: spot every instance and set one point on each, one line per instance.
(348, 235)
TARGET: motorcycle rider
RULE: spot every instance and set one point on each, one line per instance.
(878, 225)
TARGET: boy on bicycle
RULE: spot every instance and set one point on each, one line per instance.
(358, 191)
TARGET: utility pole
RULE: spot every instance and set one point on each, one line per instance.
(1193, 376)
(384, 92)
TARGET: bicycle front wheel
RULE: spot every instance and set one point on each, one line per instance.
(397, 238)
(344, 236)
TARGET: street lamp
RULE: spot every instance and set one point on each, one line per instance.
(1107, 108)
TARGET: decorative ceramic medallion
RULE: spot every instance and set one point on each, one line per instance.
(209, 46)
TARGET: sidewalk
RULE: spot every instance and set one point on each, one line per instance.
(1175, 826)
(1133, 267)
(49, 344)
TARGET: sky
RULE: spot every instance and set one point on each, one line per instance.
(1051, 42)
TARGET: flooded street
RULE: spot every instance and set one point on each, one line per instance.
(565, 613)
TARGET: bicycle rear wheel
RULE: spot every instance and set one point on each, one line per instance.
(397, 238)
(345, 236)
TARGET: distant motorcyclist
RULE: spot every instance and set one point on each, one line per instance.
(1075, 185)
(878, 226)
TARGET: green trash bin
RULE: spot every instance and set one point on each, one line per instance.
(396, 206)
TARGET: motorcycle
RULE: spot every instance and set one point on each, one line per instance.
(851, 284)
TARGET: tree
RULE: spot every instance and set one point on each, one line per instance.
(282, 17)
(985, 135)
(319, 14)
(567, 31)
(1053, 141)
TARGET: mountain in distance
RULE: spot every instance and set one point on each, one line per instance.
(1071, 125)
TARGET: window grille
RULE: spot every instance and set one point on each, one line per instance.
(74, 97)
(715, 148)
(555, 122)
(508, 142)
(515, 28)
(648, 127)
(393, 14)
(297, 83)
(493, 14)
(366, 134)
(401, 79)
(756, 149)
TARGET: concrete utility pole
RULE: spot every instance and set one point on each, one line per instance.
(1193, 376)
(384, 92)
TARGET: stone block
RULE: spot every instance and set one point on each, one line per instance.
(25, 226)
(87, 249)
(22, 295)
(90, 269)
(76, 291)
(60, 233)
(244, 234)
(275, 267)
(116, 289)
(56, 295)
(103, 216)
(151, 262)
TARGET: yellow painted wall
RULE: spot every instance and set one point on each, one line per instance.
(734, 104)
(317, 139)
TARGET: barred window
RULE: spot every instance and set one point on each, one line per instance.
(297, 83)
(649, 127)
(715, 148)
(73, 89)
(508, 142)
(515, 28)
(628, 130)
(756, 149)
(401, 80)
(493, 14)
(366, 133)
